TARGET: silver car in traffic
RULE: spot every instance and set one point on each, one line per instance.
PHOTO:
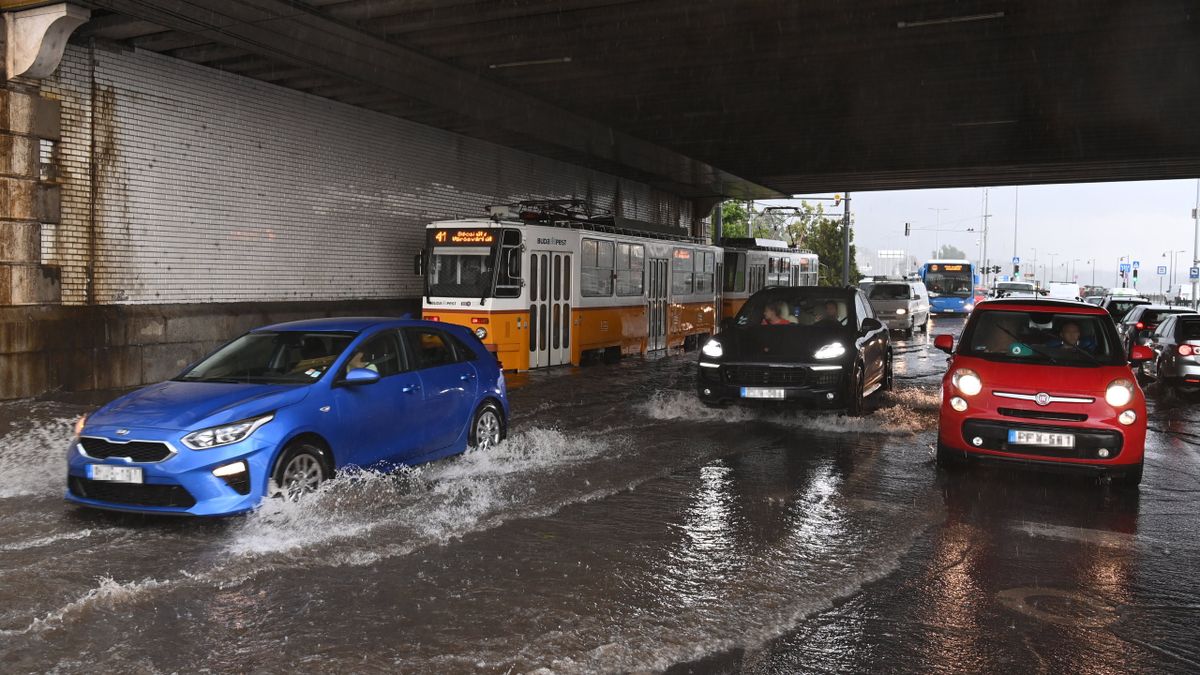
(1176, 345)
(900, 305)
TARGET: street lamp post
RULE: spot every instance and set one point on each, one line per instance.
(1093, 262)
(936, 250)
(1051, 279)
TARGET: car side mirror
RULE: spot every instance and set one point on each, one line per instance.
(361, 376)
(871, 324)
(1140, 354)
(944, 343)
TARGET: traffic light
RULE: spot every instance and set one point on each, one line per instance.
(1016, 270)
(907, 229)
(1135, 275)
(837, 199)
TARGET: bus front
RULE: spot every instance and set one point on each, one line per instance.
(472, 277)
(951, 286)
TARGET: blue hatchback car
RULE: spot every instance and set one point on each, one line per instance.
(281, 408)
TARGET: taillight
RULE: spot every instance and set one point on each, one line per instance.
(478, 320)
(1140, 325)
(432, 318)
(1186, 350)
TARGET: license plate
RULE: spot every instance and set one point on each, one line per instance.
(1020, 437)
(762, 392)
(115, 474)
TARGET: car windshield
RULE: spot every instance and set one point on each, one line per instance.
(284, 357)
(794, 309)
(1044, 338)
(1015, 286)
(890, 292)
(1119, 308)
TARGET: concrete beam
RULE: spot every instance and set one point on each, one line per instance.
(34, 39)
(302, 36)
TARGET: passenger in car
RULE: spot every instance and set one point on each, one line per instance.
(776, 314)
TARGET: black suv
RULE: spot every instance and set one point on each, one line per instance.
(808, 344)
(1141, 321)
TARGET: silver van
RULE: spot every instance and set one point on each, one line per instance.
(900, 305)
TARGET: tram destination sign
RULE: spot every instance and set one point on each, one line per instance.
(463, 237)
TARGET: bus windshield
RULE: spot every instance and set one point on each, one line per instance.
(942, 282)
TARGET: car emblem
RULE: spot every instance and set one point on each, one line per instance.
(122, 432)
(1042, 398)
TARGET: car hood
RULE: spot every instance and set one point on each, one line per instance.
(783, 343)
(195, 405)
(1032, 379)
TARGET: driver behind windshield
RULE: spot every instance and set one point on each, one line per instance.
(1070, 335)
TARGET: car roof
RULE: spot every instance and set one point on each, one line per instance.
(1159, 308)
(353, 324)
(1036, 304)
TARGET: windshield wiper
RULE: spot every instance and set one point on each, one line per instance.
(1031, 347)
(1076, 347)
(224, 380)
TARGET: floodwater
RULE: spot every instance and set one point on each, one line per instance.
(624, 527)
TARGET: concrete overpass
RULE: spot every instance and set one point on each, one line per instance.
(194, 167)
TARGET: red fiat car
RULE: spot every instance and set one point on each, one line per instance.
(1046, 383)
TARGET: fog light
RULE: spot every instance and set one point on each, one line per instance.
(1102, 453)
(977, 441)
(958, 404)
(230, 469)
(829, 396)
(1128, 417)
(481, 332)
(708, 392)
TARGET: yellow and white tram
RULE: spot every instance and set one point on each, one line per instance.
(753, 264)
(545, 287)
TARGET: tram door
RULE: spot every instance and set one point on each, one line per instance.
(656, 309)
(550, 330)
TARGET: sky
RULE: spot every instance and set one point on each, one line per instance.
(1081, 221)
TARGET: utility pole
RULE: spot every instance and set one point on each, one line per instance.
(846, 243)
(1196, 246)
(983, 248)
(937, 228)
(1016, 215)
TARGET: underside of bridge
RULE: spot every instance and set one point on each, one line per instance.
(709, 97)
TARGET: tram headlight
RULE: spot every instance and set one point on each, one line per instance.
(713, 349)
(830, 351)
(481, 332)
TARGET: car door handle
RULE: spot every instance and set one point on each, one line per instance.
(410, 388)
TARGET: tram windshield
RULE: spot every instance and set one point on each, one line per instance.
(461, 272)
(462, 263)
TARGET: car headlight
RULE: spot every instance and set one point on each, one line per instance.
(481, 332)
(712, 349)
(1119, 393)
(79, 425)
(214, 437)
(831, 351)
(902, 311)
(968, 307)
(967, 381)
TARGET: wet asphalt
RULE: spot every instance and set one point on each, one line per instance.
(625, 528)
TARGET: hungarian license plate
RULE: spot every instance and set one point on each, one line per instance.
(762, 392)
(1021, 437)
(115, 474)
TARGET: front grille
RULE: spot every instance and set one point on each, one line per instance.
(134, 494)
(800, 376)
(1087, 441)
(1043, 415)
(137, 451)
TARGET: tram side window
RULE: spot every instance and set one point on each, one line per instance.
(681, 271)
(508, 278)
(596, 268)
(631, 260)
(735, 272)
(705, 269)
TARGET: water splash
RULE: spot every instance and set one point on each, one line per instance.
(33, 459)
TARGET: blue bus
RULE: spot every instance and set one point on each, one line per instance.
(951, 286)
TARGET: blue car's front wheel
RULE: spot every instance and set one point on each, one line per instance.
(300, 470)
(487, 428)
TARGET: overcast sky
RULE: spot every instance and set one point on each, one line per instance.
(1094, 220)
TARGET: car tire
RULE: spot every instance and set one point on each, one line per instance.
(487, 427)
(854, 402)
(912, 328)
(300, 470)
(1132, 477)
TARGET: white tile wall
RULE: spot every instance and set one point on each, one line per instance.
(217, 188)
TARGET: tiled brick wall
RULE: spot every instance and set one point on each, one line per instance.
(215, 188)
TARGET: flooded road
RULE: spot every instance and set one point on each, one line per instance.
(625, 527)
